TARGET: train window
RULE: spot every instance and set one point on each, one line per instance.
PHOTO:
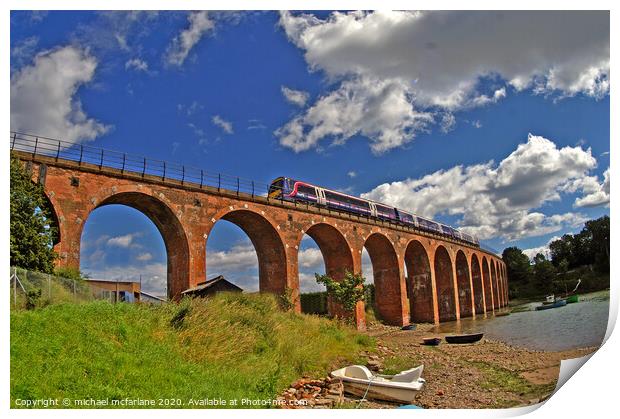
(306, 190)
(408, 218)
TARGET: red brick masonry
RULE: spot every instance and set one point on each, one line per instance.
(447, 279)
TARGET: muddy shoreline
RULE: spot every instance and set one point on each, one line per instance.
(486, 374)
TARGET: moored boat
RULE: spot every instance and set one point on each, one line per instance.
(572, 299)
(434, 341)
(470, 338)
(556, 304)
(399, 388)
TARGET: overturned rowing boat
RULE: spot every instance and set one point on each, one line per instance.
(399, 388)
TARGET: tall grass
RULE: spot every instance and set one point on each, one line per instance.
(232, 346)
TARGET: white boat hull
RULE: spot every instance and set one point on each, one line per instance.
(401, 388)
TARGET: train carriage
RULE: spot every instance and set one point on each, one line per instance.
(288, 189)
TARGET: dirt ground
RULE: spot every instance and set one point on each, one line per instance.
(486, 374)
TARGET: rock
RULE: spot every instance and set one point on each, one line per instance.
(373, 365)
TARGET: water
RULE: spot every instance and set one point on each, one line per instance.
(577, 325)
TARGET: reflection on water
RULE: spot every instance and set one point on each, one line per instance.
(576, 325)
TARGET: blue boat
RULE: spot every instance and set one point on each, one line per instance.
(555, 304)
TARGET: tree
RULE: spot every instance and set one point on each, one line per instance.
(517, 265)
(346, 292)
(544, 273)
(599, 234)
(32, 229)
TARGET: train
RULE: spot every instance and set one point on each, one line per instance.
(287, 189)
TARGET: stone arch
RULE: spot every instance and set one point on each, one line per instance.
(171, 230)
(463, 284)
(496, 299)
(337, 255)
(387, 277)
(488, 288)
(269, 247)
(445, 284)
(476, 277)
(419, 283)
(55, 220)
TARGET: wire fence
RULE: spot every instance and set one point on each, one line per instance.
(30, 289)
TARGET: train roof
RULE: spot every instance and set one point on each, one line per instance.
(371, 200)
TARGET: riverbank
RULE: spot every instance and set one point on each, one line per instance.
(487, 374)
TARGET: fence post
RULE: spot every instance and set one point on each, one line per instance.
(49, 287)
(164, 175)
(237, 186)
(15, 287)
(219, 181)
(252, 189)
(201, 175)
(183, 175)
(101, 161)
(144, 167)
(81, 153)
(58, 151)
(124, 159)
(14, 137)
(36, 144)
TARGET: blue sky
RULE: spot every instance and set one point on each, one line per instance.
(499, 129)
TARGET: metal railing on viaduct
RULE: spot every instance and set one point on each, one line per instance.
(419, 276)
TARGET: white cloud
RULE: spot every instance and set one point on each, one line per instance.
(199, 24)
(595, 193)
(311, 259)
(498, 200)
(143, 257)
(23, 51)
(296, 97)
(137, 64)
(532, 252)
(439, 59)
(238, 258)
(352, 174)
(226, 126)
(377, 109)
(121, 241)
(43, 96)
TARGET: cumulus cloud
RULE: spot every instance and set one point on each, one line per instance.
(446, 60)
(377, 109)
(533, 251)
(143, 257)
(226, 126)
(199, 24)
(121, 241)
(296, 97)
(499, 200)
(595, 193)
(44, 96)
(137, 64)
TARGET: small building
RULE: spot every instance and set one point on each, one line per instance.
(212, 286)
(115, 290)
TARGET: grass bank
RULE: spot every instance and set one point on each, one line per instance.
(233, 346)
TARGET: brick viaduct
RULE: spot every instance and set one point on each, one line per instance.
(447, 279)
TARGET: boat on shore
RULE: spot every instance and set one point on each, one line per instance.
(399, 388)
(434, 341)
(469, 338)
(556, 304)
(572, 299)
